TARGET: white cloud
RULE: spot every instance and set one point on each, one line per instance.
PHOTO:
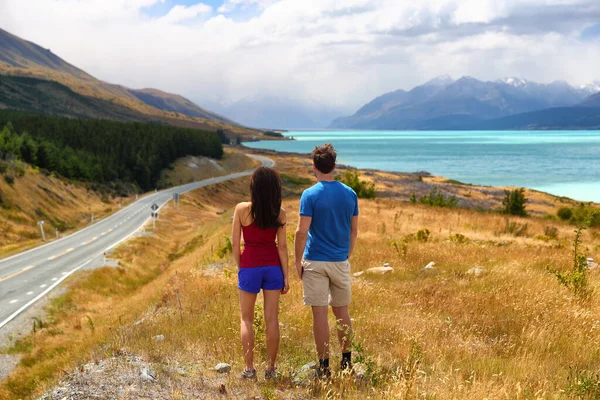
(181, 13)
(341, 52)
(231, 5)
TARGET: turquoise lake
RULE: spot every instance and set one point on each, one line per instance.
(564, 163)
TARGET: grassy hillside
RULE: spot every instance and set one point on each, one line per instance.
(488, 321)
(34, 196)
(21, 58)
(52, 98)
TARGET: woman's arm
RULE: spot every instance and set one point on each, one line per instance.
(236, 235)
(283, 251)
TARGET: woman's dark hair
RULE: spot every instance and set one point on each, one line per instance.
(265, 192)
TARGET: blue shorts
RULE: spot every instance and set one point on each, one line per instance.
(256, 278)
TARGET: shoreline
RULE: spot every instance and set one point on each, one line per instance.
(437, 178)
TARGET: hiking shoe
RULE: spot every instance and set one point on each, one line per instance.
(323, 373)
(345, 365)
(271, 375)
(249, 374)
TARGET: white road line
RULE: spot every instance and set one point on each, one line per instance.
(20, 310)
(13, 301)
(54, 279)
(29, 293)
(64, 272)
(43, 286)
(61, 254)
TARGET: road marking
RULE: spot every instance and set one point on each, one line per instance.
(54, 279)
(13, 301)
(17, 273)
(64, 273)
(90, 241)
(45, 292)
(61, 254)
(29, 293)
(43, 286)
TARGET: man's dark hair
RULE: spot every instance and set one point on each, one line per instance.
(324, 158)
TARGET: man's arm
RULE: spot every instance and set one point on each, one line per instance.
(353, 234)
(300, 241)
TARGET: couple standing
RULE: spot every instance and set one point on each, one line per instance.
(324, 241)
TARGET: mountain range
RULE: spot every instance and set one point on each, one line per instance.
(33, 79)
(468, 103)
(279, 112)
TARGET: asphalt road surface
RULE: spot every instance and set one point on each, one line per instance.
(27, 277)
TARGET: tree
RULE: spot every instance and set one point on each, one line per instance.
(514, 202)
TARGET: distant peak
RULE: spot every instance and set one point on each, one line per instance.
(513, 81)
(591, 88)
(441, 80)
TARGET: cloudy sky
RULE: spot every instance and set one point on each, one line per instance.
(339, 52)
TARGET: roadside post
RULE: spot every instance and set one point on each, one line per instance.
(41, 224)
(154, 207)
(92, 220)
(56, 232)
(177, 199)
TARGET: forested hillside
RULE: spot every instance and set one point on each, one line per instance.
(100, 150)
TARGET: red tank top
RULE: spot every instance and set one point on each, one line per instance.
(260, 249)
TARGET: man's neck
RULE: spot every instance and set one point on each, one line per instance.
(325, 177)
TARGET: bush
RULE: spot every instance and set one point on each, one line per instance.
(576, 279)
(564, 213)
(514, 202)
(9, 179)
(515, 228)
(551, 232)
(435, 198)
(363, 189)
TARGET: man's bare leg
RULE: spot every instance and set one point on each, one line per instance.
(321, 333)
(344, 332)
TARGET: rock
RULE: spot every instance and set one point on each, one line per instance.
(147, 375)
(380, 270)
(357, 274)
(429, 266)
(223, 368)
(591, 264)
(359, 370)
(159, 338)
(476, 271)
(306, 373)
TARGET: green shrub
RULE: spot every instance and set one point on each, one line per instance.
(363, 189)
(515, 228)
(551, 232)
(10, 179)
(435, 198)
(514, 202)
(582, 384)
(576, 279)
(564, 213)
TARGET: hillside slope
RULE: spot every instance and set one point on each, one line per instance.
(21, 58)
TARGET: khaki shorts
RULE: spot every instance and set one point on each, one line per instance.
(326, 283)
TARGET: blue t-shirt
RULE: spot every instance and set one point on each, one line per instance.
(331, 205)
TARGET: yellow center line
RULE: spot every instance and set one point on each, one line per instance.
(17, 273)
(61, 254)
(90, 241)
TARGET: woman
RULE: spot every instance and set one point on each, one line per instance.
(263, 264)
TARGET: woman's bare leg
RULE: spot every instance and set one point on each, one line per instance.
(247, 301)
(272, 324)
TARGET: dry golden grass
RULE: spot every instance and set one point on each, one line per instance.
(34, 197)
(512, 332)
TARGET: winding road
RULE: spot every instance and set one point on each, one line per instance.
(27, 277)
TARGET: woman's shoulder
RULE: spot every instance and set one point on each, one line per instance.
(243, 205)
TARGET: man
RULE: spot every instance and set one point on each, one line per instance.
(324, 241)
